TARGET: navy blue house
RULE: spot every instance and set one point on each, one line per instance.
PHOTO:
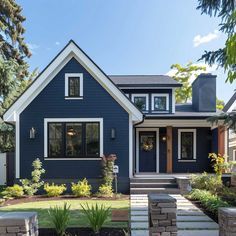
(74, 113)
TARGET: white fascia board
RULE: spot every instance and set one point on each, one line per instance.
(71, 51)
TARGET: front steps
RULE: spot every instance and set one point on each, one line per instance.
(154, 185)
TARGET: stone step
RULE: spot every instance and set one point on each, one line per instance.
(152, 180)
(139, 225)
(197, 225)
(189, 213)
(154, 190)
(153, 185)
(139, 213)
(139, 218)
(198, 218)
(139, 232)
(137, 208)
(198, 232)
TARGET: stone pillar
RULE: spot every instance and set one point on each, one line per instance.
(227, 221)
(184, 184)
(162, 215)
(19, 224)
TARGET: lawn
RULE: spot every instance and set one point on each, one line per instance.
(77, 217)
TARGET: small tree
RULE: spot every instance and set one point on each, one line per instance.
(31, 186)
(108, 163)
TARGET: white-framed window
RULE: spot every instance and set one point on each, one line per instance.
(141, 101)
(74, 86)
(160, 102)
(187, 143)
(73, 138)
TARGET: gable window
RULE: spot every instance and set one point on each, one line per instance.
(160, 102)
(141, 101)
(73, 140)
(74, 86)
(187, 144)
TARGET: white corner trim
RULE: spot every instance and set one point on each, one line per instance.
(71, 51)
(17, 154)
(166, 95)
(146, 95)
(71, 75)
(173, 100)
(194, 131)
(131, 156)
(47, 120)
(137, 147)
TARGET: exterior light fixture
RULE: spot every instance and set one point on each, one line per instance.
(113, 133)
(32, 133)
(163, 138)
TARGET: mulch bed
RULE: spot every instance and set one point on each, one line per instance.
(38, 198)
(84, 232)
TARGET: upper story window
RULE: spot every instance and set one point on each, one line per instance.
(187, 144)
(74, 86)
(160, 102)
(141, 101)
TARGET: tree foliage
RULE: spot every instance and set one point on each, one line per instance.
(183, 75)
(219, 104)
(226, 56)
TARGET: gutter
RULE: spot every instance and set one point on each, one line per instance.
(140, 122)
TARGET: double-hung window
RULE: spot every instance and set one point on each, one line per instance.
(141, 101)
(73, 86)
(160, 102)
(187, 144)
(73, 139)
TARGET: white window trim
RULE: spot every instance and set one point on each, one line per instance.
(166, 95)
(234, 155)
(47, 120)
(71, 75)
(141, 95)
(194, 131)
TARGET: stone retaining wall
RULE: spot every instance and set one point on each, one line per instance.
(227, 221)
(184, 184)
(162, 215)
(19, 224)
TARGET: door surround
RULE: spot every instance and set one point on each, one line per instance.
(137, 147)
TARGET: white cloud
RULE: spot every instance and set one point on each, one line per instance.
(57, 43)
(199, 39)
(32, 47)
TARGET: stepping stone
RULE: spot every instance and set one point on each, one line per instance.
(139, 233)
(190, 213)
(193, 218)
(197, 225)
(139, 225)
(198, 232)
(135, 208)
(139, 218)
(139, 213)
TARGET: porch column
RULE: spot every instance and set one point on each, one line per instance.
(221, 140)
(169, 148)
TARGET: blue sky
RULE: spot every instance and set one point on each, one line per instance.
(124, 36)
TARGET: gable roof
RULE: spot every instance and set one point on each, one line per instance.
(144, 81)
(230, 103)
(71, 50)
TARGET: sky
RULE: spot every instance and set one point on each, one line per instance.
(125, 36)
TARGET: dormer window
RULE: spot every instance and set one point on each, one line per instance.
(160, 102)
(141, 101)
(74, 86)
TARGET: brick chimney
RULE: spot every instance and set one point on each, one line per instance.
(204, 93)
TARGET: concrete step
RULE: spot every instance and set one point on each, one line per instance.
(154, 190)
(153, 185)
(152, 180)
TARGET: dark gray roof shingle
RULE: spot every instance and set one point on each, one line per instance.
(144, 81)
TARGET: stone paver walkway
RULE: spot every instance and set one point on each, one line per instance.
(191, 221)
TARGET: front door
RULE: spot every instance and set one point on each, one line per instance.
(147, 151)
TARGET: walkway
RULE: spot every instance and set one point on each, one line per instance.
(191, 221)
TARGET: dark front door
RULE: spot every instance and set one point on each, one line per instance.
(147, 151)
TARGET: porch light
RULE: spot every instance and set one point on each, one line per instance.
(32, 133)
(71, 132)
(163, 138)
(113, 133)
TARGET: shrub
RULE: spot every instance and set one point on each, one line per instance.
(229, 195)
(2, 200)
(210, 201)
(105, 191)
(60, 217)
(81, 189)
(32, 185)
(15, 191)
(54, 190)
(218, 162)
(96, 216)
(207, 182)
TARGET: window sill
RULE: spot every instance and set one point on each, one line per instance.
(73, 159)
(73, 98)
(187, 160)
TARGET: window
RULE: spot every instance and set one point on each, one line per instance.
(187, 144)
(160, 102)
(73, 139)
(141, 101)
(234, 155)
(74, 86)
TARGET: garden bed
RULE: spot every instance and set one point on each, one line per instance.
(85, 232)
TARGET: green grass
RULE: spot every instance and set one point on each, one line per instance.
(77, 217)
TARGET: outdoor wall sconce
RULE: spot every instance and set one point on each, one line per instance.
(32, 133)
(113, 133)
(163, 138)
